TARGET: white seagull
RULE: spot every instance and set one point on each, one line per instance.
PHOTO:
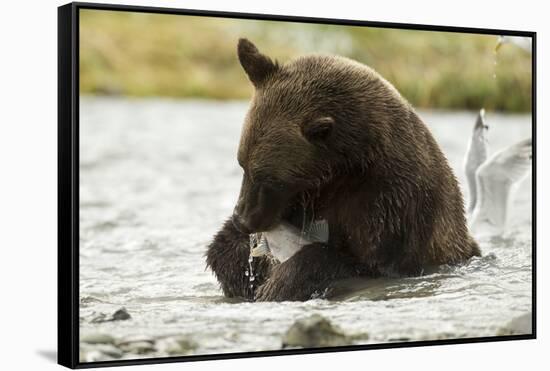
(476, 154)
(493, 180)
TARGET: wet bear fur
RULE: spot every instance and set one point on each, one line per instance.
(329, 138)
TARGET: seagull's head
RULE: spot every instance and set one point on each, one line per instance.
(481, 128)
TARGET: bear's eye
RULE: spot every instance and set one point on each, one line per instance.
(318, 130)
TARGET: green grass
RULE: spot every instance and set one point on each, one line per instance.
(139, 54)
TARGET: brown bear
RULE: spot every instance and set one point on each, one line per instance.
(328, 138)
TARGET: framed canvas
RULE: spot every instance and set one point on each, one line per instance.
(242, 185)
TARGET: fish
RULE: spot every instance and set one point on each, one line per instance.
(285, 240)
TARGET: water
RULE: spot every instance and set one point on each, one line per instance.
(158, 178)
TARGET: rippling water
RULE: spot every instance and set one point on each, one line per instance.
(158, 178)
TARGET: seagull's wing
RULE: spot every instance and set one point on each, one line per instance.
(476, 154)
(510, 164)
(495, 180)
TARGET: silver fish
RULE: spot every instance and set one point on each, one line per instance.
(259, 246)
(285, 240)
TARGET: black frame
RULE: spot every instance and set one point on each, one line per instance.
(68, 182)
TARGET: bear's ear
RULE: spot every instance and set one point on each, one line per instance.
(318, 130)
(256, 65)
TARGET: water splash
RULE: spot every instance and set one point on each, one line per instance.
(255, 242)
(251, 276)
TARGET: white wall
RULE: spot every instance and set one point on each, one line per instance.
(28, 56)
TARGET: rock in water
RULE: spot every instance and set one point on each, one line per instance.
(521, 325)
(121, 315)
(314, 331)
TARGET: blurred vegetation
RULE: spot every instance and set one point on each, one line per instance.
(139, 54)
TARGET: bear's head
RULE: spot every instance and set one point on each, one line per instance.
(293, 140)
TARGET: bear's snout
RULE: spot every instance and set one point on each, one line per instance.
(239, 222)
(259, 208)
(251, 222)
(256, 215)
